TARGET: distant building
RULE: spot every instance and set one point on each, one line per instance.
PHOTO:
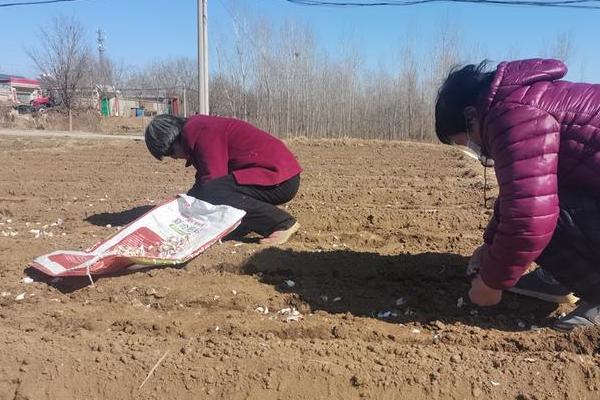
(114, 103)
(18, 90)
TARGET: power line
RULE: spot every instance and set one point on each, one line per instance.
(33, 3)
(580, 4)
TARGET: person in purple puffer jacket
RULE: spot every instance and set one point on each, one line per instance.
(543, 134)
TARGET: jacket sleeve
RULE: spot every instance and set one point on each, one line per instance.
(210, 150)
(492, 226)
(524, 143)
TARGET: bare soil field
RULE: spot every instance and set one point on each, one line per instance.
(377, 271)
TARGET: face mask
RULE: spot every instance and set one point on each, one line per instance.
(474, 150)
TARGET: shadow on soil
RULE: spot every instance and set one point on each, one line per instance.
(413, 287)
(118, 218)
(70, 284)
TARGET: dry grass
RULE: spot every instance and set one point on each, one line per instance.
(86, 120)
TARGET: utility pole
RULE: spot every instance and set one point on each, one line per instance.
(202, 58)
(100, 38)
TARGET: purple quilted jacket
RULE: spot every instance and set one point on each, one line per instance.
(544, 135)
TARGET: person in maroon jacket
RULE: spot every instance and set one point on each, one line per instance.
(237, 164)
(543, 134)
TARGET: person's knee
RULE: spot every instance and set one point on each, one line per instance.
(219, 191)
(208, 193)
(198, 192)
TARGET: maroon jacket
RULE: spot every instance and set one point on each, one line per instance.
(221, 146)
(544, 135)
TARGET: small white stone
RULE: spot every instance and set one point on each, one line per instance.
(415, 331)
(495, 383)
(335, 300)
(384, 314)
(20, 297)
(290, 283)
(460, 302)
(400, 301)
(27, 279)
(108, 225)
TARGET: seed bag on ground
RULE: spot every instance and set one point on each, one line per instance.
(169, 234)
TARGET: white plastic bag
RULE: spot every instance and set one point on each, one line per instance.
(172, 233)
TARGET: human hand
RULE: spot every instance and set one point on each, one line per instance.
(483, 295)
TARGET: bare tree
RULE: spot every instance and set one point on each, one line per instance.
(562, 48)
(163, 78)
(63, 58)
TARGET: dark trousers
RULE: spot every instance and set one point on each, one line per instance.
(260, 202)
(573, 255)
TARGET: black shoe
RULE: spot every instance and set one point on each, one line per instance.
(540, 284)
(584, 315)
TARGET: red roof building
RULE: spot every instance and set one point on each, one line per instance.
(18, 90)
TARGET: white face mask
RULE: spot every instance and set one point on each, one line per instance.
(473, 150)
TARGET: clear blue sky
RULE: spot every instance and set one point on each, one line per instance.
(139, 31)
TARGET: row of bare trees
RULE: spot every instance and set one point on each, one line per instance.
(281, 79)
(285, 82)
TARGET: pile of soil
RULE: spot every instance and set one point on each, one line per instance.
(376, 273)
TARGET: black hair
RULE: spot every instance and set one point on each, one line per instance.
(462, 88)
(161, 133)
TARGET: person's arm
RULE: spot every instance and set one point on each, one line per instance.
(210, 150)
(492, 226)
(524, 144)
